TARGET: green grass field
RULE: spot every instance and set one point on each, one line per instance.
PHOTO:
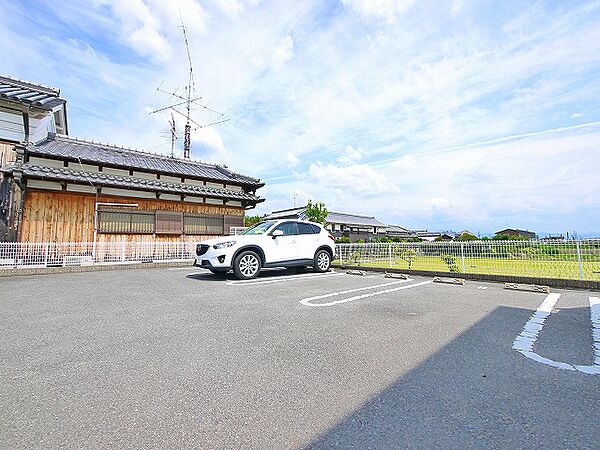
(494, 266)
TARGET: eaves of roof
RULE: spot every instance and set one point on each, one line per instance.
(30, 94)
(104, 179)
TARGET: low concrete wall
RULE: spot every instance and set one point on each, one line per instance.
(95, 268)
(554, 282)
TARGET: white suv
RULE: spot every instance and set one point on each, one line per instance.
(273, 243)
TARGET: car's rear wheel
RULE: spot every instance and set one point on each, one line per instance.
(246, 265)
(322, 261)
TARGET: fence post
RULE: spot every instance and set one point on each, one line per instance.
(46, 251)
(122, 251)
(579, 261)
(390, 254)
(462, 255)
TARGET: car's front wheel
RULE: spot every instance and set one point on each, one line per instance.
(322, 261)
(246, 265)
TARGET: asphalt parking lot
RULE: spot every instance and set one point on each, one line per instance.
(180, 358)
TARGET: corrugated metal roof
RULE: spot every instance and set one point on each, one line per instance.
(29, 93)
(104, 179)
(63, 147)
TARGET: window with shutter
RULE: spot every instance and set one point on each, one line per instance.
(203, 224)
(169, 222)
(125, 221)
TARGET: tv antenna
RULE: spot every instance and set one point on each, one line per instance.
(188, 100)
(173, 133)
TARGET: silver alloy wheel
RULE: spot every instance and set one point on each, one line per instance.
(323, 261)
(249, 265)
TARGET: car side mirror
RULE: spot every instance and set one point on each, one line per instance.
(277, 233)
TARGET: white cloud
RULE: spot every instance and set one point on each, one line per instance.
(284, 52)
(350, 155)
(292, 159)
(380, 9)
(357, 178)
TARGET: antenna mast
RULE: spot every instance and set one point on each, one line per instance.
(187, 140)
(173, 135)
(188, 101)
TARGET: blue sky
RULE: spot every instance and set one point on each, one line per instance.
(427, 114)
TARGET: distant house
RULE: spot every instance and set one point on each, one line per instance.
(553, 238)
(517, 233)
(436, 235)
(353, 226)
(398, 231)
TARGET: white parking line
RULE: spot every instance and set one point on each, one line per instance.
(280, 279)
(307, 301)
(525, 341)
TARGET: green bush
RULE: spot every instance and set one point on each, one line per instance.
(467, 237)
(450, 262)
(343, 240)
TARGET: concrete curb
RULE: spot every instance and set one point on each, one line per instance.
(555, 282)
(96, 268)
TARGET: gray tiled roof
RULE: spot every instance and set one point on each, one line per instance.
(104, 179)
(29, 93)
(296, 213)
(353, 219)
(63, 147)
(332, 217)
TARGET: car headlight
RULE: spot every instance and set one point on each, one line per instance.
(224, 244)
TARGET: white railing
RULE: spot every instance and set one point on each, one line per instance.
(57, 254)
(234, 231)
(576, 260)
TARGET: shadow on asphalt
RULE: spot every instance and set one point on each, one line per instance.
(477, 392)
(205, 275)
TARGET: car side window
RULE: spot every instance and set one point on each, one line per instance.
(306, 228)
(288, 228)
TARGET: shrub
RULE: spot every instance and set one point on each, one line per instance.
(343, 240)
(450, 262)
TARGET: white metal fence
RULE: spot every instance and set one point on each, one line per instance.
(234, 231)
(577, 260)
(56, 254)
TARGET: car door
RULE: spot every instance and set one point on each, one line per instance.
(308, 240)
(284, 247)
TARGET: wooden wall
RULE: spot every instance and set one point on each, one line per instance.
(66, 217)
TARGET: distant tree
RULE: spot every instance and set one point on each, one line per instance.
(466, 236)
(316, 212)
(251, 220)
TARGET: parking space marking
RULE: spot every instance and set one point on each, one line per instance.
(307, 301)
(526, 340)
(279, 279)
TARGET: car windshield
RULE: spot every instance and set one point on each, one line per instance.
(259, 228)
